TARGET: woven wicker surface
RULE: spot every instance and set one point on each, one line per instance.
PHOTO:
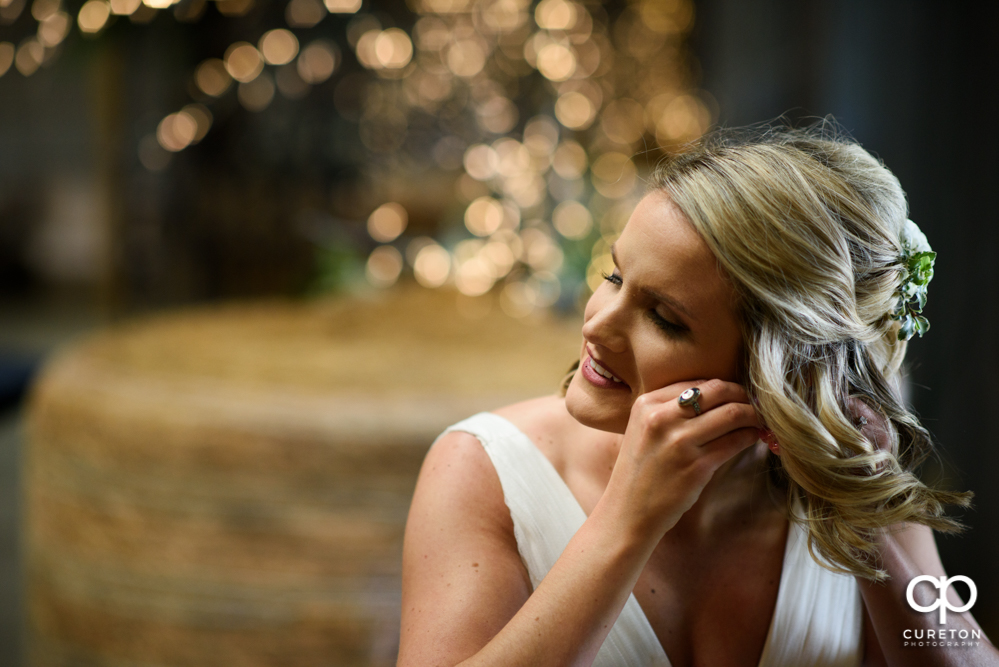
(229, 485)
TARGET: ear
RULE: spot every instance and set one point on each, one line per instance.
(770, 439)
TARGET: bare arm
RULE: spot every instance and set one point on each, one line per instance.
(909, 552)
(466, 597)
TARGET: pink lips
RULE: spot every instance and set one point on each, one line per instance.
(597, 379)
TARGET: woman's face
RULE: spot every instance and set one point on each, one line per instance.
(665, 315)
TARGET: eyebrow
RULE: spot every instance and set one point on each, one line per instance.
(664, 298)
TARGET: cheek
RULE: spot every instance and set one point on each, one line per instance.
(662, 360)
(660, 365)
(668, 362)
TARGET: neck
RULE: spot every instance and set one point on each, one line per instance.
(738, 490)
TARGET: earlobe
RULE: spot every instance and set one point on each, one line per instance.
(768, 437)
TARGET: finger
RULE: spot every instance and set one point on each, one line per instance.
(713, 393)
(720, 421)
(718, 392)
(871, 423)
(725, 447)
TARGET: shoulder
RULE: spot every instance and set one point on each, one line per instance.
(462, 575)
(548, 424)
(458, 465)
(458, 477)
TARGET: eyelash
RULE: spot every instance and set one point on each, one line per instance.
(657, 319)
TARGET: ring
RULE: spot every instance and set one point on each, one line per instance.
(689, 398)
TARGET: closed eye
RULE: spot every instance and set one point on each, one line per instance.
(657, 319)
(666, 325)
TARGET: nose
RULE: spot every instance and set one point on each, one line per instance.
(604, 323)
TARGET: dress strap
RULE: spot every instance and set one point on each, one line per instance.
(818, 620)
(545, 516)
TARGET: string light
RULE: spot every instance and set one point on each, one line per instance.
(387, 222)
(614, 86)
(93, 16)
(343, 6)
(243, 62)
(384, 266)
(124, 7)
(318, 61)
(6, 56)
(278, 46)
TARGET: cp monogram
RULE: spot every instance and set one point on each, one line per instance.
(941, 583)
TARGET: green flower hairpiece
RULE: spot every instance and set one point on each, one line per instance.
(918, 258)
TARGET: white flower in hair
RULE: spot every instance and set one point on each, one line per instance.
(913, 238)
(918, 258)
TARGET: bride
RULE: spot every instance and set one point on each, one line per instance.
(727, 477)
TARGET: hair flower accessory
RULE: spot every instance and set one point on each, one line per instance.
(918, 258)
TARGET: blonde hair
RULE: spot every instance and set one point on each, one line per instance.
(805, 224)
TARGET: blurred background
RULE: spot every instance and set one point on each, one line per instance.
(235, 171)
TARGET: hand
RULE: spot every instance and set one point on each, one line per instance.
(669, 454)
(872, 424)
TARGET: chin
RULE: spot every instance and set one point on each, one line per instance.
(589, 406)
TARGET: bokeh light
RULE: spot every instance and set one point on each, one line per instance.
(243, 62)
(484, 216)
(555, 14)
(212, 77)
(556, 62)
(432, 265)
(202, 118)
(304, 13)
(125, 7)
(570, 160)
(575, 110)
(93, 16)
(256, 95)
(387, 222)
(278, 46)
(43, 9)
(572, 220)
(343, 6)
(384, 266)
(393, 49)
(6, 56)
(614, 175)
(29, 56)
(518, 299)
(466, 57)
(53, 28)
(177, 131)
(318, 61)
(481, 162)
(537, 111)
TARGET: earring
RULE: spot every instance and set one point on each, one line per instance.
(768, 437)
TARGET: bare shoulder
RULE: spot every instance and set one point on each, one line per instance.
(462, 575)
(547, 423)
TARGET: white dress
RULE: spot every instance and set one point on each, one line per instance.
(817, 620)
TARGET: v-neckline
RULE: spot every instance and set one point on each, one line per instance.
(638, 605)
